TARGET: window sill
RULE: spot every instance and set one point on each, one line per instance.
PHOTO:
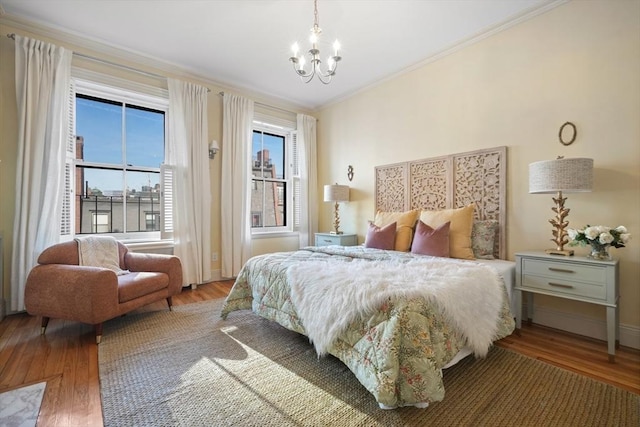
(149, 245)
(274, 235)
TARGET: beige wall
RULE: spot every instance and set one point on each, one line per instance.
(579, 62)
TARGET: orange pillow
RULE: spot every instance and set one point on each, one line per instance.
(459, 231)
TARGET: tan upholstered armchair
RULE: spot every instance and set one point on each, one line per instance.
(59, 287)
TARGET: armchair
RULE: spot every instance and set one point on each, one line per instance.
(59, 287)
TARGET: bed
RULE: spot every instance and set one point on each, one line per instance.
(396, 318)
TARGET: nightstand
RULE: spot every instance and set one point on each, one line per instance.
(326, 239)
(571, 277)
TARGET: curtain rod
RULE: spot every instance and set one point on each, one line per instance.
(12, 36)
(267, 106)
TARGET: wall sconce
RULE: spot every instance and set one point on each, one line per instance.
(213, 149)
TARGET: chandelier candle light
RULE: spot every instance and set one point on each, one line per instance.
(555, 176)
(299, 62)
(336, 193)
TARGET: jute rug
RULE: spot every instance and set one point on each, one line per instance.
(190, 368)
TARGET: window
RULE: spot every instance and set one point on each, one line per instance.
(272, 178)
(117, 155)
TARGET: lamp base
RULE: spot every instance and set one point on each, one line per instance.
(336, 232)
(565, 252)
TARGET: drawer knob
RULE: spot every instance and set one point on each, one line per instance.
(560, 270)
(560, 285)
(327, 241)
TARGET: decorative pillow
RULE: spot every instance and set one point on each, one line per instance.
(380, 237)
(460, 229)
(405, 221)
(430, 241)
(483, 238)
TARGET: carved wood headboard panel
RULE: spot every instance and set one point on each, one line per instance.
(447, 182)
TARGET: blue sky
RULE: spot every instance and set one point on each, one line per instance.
(101, 125)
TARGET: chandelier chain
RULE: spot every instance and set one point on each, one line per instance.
(316, 20)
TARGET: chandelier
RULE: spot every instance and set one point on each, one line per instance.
(299, 62)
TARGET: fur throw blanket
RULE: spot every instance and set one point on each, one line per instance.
(330, 295)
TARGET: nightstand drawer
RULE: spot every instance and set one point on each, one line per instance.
(326, 239)
(564, 271)
(596, 291)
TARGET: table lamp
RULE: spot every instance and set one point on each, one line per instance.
(336, 193)
(558, 176)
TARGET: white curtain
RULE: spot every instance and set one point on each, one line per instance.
(187, 154)
(237, 129)
(43, 79)
(308, 178)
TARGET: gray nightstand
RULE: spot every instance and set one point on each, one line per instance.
(571, 277)
(326, 239)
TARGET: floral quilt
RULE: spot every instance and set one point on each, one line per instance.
(397, 353)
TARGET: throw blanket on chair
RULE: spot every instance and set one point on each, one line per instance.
(328, 296)
(100, 251)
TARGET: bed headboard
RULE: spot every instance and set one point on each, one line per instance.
(447, 182)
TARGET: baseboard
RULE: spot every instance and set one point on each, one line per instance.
(583, 325)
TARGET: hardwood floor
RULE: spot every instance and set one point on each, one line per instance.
(67, 359)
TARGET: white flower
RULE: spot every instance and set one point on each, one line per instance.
(621, 229)
(591, 233)
(624, 237)
(605, 238)
(572, 233)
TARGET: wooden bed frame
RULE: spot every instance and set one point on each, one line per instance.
(448, 182)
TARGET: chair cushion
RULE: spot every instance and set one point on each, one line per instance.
(137, 284)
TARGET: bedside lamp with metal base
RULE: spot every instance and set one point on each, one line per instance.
(336, 193)
(555, 177)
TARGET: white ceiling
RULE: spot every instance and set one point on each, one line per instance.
(246, 43)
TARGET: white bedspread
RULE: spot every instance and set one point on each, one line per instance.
(329, 296)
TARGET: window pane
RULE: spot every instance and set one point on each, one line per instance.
(268, 155)
(143, 199)
(273, 153)
(145, 136)
(268, 204)
(99, 191)
(99, 122)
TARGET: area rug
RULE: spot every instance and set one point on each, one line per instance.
(20, 407)
(190, 368)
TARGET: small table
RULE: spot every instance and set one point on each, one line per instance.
(326, 239)
(571, 277)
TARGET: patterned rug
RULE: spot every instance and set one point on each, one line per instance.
(190, 368)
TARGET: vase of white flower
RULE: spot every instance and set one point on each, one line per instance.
(600, 238)
(600, 252)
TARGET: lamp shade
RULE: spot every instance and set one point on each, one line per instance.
(336, 193)
(566, 175)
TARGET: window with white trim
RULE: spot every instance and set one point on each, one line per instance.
(273, 179)
(114, 184)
